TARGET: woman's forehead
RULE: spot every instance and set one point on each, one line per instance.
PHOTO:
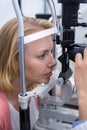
(41, 44)
(40, 41)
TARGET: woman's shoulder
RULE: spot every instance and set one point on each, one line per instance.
(5, 122)
(3, 101)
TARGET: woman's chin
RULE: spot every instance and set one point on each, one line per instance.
(46, 81)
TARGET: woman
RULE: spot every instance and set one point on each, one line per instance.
(39, 63)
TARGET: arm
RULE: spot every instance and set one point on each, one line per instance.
(82, 126)
(3, 125)
(5, 122)
(80, 77)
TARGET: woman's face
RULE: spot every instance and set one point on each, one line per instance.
(39, 60)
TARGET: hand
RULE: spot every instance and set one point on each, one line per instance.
(80, 77)
(80, 74)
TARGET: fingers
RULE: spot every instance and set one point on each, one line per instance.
(80, 75)
(85, 55)
(79, 59)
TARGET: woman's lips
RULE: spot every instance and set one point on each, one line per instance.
(48, 74)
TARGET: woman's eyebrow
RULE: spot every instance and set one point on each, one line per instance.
(45, 50)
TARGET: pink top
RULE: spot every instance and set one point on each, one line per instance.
(5, 120)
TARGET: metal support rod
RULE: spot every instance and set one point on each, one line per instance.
(54, 19)
(21, 45)
(24, 109)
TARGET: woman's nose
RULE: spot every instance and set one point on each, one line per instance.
(52, 61)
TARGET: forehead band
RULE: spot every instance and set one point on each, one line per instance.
(40, 34)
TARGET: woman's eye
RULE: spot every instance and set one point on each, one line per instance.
(52, 51)
(42, 56)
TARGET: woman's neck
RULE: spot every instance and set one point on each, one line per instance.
(13, 97)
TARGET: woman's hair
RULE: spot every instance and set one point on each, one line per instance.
(9, 52)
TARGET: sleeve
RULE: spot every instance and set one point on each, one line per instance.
(80, 126)
(77, 122)
(2, 122)
(5, 120)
